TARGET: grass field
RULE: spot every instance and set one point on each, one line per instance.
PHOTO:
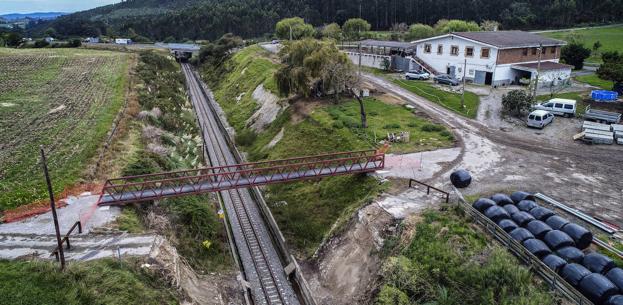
(64, 99)
(594, 80)
(611, 39)
(446, 99)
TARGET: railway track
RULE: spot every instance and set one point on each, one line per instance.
(262, 267)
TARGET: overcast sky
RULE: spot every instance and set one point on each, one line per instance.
(31, 6)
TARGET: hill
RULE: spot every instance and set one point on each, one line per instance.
(39, 16)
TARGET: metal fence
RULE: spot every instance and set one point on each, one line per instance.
(549, 276)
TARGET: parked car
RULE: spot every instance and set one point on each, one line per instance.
(275, 41)
(540, 119)
(417, 75)
(446, 80)
(558, 106)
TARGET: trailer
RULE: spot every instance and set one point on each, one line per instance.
(595, 126)
(598, 138)
(596, 133)
(602, 116)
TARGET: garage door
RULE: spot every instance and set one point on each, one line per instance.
(479, 78)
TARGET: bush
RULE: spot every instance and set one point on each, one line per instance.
(246, 137)
(143, 165)
(432, 128)
(41, 43)
(447, 134)
(373, 113)
(349, 122)
(391, 295)
(412, 124)
(516, 102)
(338, 125)
(392, 126)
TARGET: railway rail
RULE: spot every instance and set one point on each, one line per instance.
(262, 267)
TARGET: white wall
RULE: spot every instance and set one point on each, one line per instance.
(368, 60)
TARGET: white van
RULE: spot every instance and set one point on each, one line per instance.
(559, 106)
(540, 119)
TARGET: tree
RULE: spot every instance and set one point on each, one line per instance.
(386, 64)
(215, 53)
(612, 68)
(13, 39)
(516, 102)
(574, 54)
(354, 27)
(333, 31)
(596, 46)
(50, 32)
(517, 15)
(457, 26)
(293, 28)
(489, 25)
(40, 43)
(400, 27)
(420, 31)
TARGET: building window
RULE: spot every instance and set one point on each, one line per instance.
(440, 49)
(471, 71)
(484, 52)
(553, 50)
(525, 52)
(454, 50)
(427, 48)
(469, 51)
(534, 51)
(460, 70)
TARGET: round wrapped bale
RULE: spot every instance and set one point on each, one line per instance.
(554, 262)
(527, 205)
(519, 196)
(597, 288)
(483, 204)
(538, 228)
(497, 213)
(537, 247)
(511, 209)
(542, 213)
(556, 222)
(615, 275)
(580, 235)
(556, 239)
(598, 263)
(521, 234)
(574, 273)
(615, 300)
(461, 178)
(507, 225)
(502, 199)
(571, 254)
(522, 218)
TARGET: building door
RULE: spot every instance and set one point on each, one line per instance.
(479, 77)
(489, 78)
(451, 71)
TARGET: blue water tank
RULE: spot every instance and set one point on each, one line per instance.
(604, 95)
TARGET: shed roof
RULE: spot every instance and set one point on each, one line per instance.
(386, 43)
(510, 39)
(545, 66)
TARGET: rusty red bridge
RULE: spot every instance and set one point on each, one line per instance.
(213, 179)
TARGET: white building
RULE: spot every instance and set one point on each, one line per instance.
(493, 58)
(123, 41)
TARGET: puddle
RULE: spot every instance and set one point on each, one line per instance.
(7, 104)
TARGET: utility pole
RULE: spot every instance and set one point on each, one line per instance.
(290, 33)
(359, 65)
(538, 71)
(53, 206)
(463, 93)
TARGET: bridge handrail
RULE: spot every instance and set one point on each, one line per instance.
(428, 187)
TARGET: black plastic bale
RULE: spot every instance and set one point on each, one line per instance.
(580, 235)
(538, 228)
(507, 225)
(461, 178)
(597, 288)
(483, 204)
(554, 262)
(521, 234)
(497, 213)
(522, 218)
(573, 273)
(571, 254)
(542, 213)
(556, 239)
(598, 263)
(537, 247)
(527, 205)
(615, 275)
(511, 209)
(615, 300)
(502, 199)
(519, 196)
(556, 222)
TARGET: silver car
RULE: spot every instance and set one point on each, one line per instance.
(417, 75)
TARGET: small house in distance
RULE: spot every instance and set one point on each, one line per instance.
(123, 41)
(374, 53)
(92, 40)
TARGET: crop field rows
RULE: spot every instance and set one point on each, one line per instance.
(65, 100)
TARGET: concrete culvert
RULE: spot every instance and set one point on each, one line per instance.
(615, 275)
(522, 218)
(497, 213)
(573, 273)
(597, 288)
(542, 213)
(580, 235)
(554, 262)
(556, 222)
(483, 204)
(521, 234)
(527, 205)
(502, 199)
(571, 254)
(556, 239)
(461, 178)
(519, 196)
(598, 263)
(538, 228)
(511, 209)
(507, 225)
(615, 300)
(537, 247)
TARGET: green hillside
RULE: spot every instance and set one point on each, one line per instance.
(611, 39)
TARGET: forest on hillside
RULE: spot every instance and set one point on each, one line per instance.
(209, 19)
